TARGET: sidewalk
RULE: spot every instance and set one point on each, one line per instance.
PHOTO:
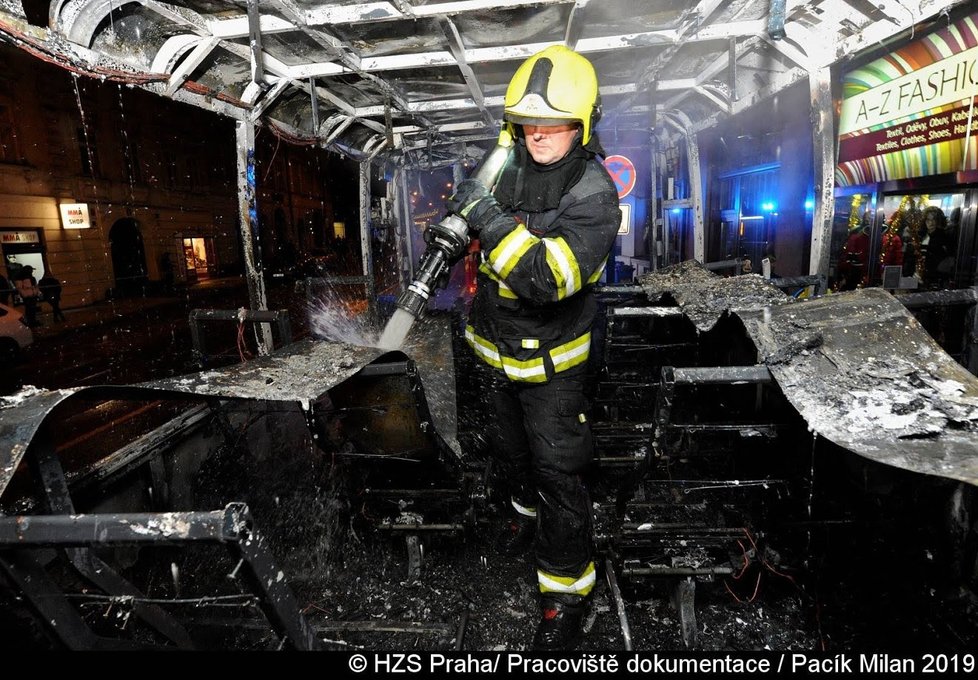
(108, 311)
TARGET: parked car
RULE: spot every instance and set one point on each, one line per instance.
(15, 334)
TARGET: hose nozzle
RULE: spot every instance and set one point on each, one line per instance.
(448, 239)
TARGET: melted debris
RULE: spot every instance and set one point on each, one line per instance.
(864, 374)
(303, 372)
(430, 345)
(705, 297)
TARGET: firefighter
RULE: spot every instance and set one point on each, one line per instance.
(545, 233)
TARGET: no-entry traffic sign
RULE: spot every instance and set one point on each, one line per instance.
(622, 171)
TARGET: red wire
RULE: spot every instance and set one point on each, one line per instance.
(757, 588)
(736, 577)
(242, 346)
(764, 561)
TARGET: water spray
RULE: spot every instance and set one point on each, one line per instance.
(447, 241)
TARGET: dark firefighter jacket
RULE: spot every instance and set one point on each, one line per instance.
(533, 310)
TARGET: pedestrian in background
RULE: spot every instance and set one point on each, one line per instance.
(27, 288)
(50, 288)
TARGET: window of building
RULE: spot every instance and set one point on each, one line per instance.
(920, 234)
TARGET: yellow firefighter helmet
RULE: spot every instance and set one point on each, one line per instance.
(554, 85)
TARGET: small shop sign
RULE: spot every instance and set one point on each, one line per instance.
(75, 216)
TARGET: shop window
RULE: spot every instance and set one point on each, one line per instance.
(920, 234)
(851, 239)
(199, 256)
(905, 242)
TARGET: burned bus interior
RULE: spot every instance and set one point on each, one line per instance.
(784, 404)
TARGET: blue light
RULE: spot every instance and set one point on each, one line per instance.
(676, 211)
(768, 206)
(809, 204)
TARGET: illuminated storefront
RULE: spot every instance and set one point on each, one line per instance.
(907, 173)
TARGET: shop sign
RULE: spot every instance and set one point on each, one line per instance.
(75, 216)
(19, 237)
(946, 126)
(626, 219)
(912, 113)
(947, 81)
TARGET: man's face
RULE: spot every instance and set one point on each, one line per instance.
(549, 143)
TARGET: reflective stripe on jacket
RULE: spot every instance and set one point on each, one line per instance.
(533, 310)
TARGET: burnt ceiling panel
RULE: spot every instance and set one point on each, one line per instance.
(350, 89)
(223, 71)
(213, 7)
(615, 74)
(296, 110)
(694, 59)
(430, 84)
(392, 37)
(740, 10)
(524, 25)
(295, 48)
(620, 17)
(135, 35)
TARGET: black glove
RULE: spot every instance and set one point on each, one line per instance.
(476, 205)
(485, 212)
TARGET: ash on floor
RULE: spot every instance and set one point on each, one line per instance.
(470, 597)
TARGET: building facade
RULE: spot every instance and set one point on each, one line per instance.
(108, 187)
(116, 191)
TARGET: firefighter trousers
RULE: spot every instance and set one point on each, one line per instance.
(543, 440)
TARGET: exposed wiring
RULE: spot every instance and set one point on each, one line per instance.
(46, 53)
(739, 575)
(197, 88)
(765, 563)
(271, 163)
(757, 588)
(243, 352)
(288, 137)
(747, 561)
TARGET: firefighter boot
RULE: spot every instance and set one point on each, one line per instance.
(562, 617)
(517, 537)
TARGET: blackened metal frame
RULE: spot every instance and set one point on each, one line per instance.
(22, 537)
(279, 317)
